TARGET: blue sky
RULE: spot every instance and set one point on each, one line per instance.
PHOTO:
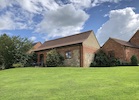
(42, 20)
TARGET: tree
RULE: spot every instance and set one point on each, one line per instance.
(13, 49)
(22, 46)
(32, 61)
(54, 59)
(6, 50)
(134, 60)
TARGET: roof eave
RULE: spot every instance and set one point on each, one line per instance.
(42, 49)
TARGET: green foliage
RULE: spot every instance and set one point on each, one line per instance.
(32, 61)
(114, 61)
(0, 64)
(17, 65)
(22, 46)
(54, 59)
(134, 61)
(6, 51)
(13, 50)
(101, 59)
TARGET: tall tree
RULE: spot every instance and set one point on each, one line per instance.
(6, 50)
(21, 46)
(13, 49)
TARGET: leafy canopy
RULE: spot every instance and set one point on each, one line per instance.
(13, 49)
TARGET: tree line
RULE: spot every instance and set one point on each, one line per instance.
(14, 50)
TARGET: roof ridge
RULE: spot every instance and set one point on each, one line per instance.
(125, 43)
(69, 36)
(118, 39)
(68, 40)
(133, 35)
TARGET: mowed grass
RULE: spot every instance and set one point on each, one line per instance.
(114, 83)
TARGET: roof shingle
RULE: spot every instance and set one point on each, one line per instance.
(125, 43)
(69, 40)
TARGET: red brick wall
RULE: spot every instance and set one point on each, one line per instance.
(39, 53)
(118, 49)
(76, 54)
(135, 38)
(130, 52)
(90, 46)
(121, 52)
(37, 45)
(88, 55)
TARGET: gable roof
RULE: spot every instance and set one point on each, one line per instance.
(124, 43)
(137, 32)
(35, 43)
(64, 41)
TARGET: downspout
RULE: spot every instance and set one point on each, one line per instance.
(81, 55)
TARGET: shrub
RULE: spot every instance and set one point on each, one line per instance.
(2, 66)
(134, 60)
(18, 65)
(114, 61)
(54, 59)
(101, 59)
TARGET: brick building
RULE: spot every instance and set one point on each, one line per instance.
(77, 50)
(135, 39)
(35, 46)
(122, 50)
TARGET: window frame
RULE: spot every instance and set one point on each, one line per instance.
(68, 54)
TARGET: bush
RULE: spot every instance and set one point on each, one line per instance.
(2, 66)
(101, 59)
(54, 59)
(18, 65)
(134, 61)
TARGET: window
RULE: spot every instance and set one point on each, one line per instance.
(111, 53)
(68, 54)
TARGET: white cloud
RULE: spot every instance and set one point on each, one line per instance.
(98, 2)
(33, 38)
(88, 3)
(12, 21)
(6, 22)
(22, 17)
(48, 4)
(5, 3)
(28, 5)
(37, 6)
(81, 3)
(47, 16)
(60, 23)
(122, 24)
(33, 6)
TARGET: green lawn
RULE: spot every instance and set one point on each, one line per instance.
(115, 83)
